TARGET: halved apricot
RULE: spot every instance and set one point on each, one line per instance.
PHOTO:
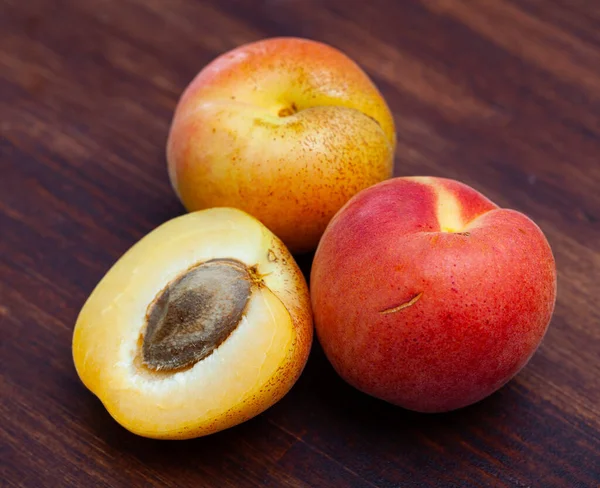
(201, 325)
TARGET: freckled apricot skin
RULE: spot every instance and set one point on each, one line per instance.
(425, 319)
(229, 146)
(247, 373)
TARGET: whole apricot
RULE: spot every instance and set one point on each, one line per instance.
(285, 129)
(428, 295)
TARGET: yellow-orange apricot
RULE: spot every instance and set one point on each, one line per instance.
(201, 325)
(285, 129)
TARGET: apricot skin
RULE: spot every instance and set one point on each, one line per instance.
(250, 371)
(285, 129)
(428, 295)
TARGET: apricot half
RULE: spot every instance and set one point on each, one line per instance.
(200, 326)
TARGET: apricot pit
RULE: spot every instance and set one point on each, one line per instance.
(196, 313)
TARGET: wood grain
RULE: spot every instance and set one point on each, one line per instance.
(502, 94)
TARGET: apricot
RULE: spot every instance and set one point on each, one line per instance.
(201, 325)
(428, 295)
(285, 129)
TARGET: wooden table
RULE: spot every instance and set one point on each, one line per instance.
(502, 94)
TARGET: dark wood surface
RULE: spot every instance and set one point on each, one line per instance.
(502, 94)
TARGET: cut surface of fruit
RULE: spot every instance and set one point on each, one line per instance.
(201, 325)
